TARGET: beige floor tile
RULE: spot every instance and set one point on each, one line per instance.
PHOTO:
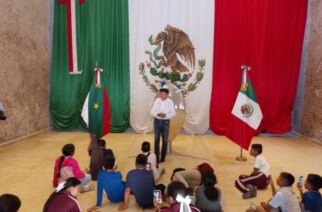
(26, 167)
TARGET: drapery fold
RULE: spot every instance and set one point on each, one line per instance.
(195, 19)
(102, 38)
(268, 36)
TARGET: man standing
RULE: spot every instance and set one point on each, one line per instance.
(162, 110)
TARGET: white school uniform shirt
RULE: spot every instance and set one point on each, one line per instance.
(286, 199)
(152, 160)
(261, 164)
(163, 106)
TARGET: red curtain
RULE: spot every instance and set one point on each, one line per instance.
(267, 35)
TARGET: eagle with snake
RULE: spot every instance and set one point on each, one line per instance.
(176, 42)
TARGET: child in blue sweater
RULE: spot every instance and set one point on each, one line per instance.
(110, 181)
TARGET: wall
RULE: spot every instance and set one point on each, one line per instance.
(311, 118)
(24, 67)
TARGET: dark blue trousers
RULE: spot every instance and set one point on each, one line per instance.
(161, 128)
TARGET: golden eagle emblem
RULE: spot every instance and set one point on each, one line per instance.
(176, 42)
(177, 63)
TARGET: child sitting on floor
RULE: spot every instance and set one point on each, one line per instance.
(284, 200)
(96, 151)
(66, 166)
(177, 197)
(311, 200)
(110, 181)
(208, 197)
(152, 161)
(65, 197)
(259, 178)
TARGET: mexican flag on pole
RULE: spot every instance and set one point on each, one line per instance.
(246, 115)
(96, 109)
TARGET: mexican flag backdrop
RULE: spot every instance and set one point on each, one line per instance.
(198, 46)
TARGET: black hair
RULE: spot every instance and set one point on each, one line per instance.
(258, 148)
(209, 180)
(175, 171)
(67, 150)
(101, 142)
(108, 153)
(315, 181)
(70, 182)
(10, 203)
(175, 188)
(141, 160)
(3, 207)
(145, 146)
(109, 162)
(288, 178)
(165, 90)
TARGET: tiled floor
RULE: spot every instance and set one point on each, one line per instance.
(26, 167)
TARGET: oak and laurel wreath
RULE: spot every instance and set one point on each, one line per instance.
(191, 87)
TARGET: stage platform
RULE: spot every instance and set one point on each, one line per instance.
(26, 167)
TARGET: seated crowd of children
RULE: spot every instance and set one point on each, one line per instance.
(189, 190)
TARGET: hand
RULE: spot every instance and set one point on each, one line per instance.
(243, 175)
(263, 204)
(94, 208)
(123, 207)
(156, 206)
(299, 186)
(161, 115)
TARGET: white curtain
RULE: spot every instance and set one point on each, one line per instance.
(150, 17)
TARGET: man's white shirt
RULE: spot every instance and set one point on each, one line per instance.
(163, 106)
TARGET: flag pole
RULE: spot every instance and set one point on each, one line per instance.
(241, 157)
(244, 68)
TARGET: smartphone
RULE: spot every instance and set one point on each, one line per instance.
(148, 167)
(253, 206)
(157, 196)
(301, 181)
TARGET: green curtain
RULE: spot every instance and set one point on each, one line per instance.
(102, 36)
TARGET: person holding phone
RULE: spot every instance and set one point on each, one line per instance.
(177, 197)
(152, 161)
(311, 200)
(283, 199)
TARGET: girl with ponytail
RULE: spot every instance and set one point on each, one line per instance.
(178, 198)
(64, 199)
(208, 197)
(66, 166)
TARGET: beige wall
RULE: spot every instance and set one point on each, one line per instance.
(311, 121)
(24, 67)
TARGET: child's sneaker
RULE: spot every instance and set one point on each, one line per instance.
(251, 193)
(86, 188)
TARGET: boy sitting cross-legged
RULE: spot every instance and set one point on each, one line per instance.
(284, 200)
(259, 178)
